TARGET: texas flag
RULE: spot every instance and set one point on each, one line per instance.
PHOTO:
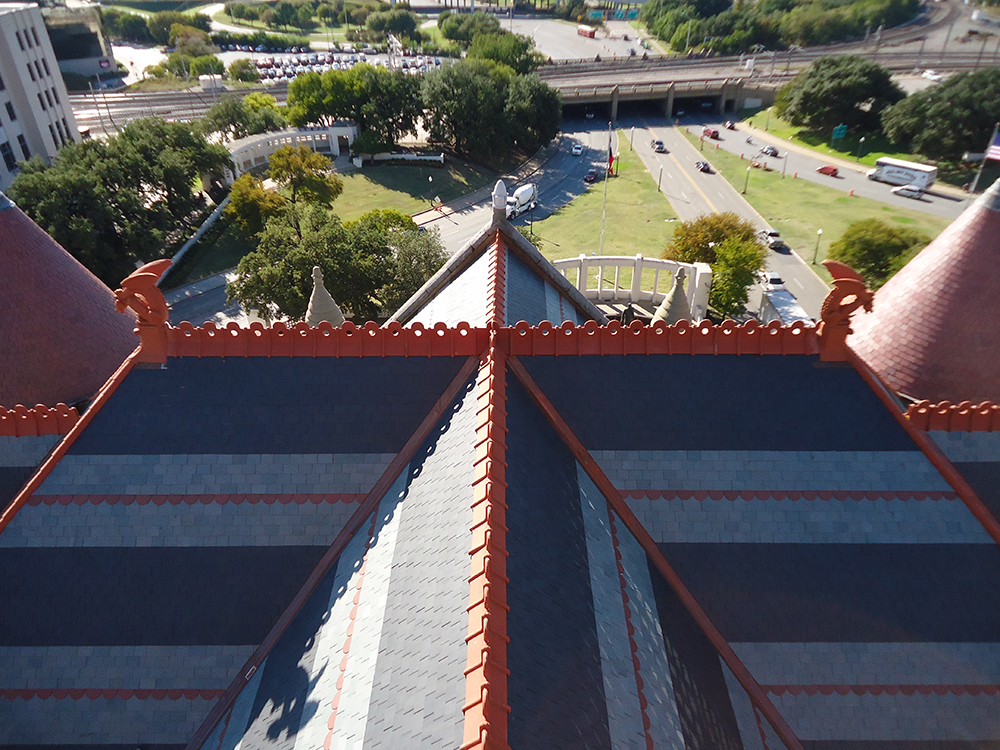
(611, 156)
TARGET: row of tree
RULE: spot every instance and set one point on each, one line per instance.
(722, 27)
(941, 122)
(370, 266)
(477, 106)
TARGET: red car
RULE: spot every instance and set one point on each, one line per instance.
(710, 133)
(827, 169)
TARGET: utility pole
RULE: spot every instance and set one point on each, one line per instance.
(604, 214)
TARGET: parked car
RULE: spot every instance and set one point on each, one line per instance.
(771, 238)
(827, 169)
(710, 133)
(730, 125)
(771, 281)
(908, 191)
(577, 149)
(703, 166)
(592, 175)
(932, 75)
(659, 148)
(769, 150)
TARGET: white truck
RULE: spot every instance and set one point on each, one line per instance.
(523, 199)
(899, 172)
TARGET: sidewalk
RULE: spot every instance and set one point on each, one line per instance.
(838, 162)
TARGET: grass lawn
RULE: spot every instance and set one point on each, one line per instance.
(640, 220)
(798, 208)
(405, 188)
(874, 147)
(221, 248)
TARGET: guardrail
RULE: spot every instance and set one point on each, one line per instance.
(637, 279)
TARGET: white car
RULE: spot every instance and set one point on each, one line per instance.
(908, 191)
(932, 75)
(577, 149)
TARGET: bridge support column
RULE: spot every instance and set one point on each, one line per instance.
(614, 104)
(720, 106)
(668, 108)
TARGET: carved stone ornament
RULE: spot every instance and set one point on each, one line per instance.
(139, 293)
(849, 293)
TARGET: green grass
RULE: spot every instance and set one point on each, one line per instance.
(219, 249)
(798, 208)
(875, 146)
(405, 188)
(639, 219)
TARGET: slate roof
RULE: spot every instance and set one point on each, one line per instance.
(497, 536)
(932, 332)
(59, 333)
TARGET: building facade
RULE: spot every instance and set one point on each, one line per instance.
(36, 117)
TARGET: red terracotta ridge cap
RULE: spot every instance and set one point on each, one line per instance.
(964, 416)
(497, 283)
(20, 421)
(50, 463)
(930, 449)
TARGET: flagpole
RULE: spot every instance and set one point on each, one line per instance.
(982, 164)
(604, 215)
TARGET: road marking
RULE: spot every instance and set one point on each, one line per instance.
(696, 187)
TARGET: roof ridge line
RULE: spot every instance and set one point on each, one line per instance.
(70, 437)
(353, 525)
(756, 694)
(486, 707)
(20, 421)
(496, 284)
(964, 416)
(930, 449)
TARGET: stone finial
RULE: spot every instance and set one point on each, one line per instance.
(674, 307)
(322, 306)
(140, 293)
(849, 293)
(499, 202)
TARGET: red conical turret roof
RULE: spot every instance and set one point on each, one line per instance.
(60, 337)
(933, 332)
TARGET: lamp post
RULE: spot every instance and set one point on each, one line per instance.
(860, 144)
(819, 236)
(631, 137)
(659, 177)
(430, 190)
(746, 184)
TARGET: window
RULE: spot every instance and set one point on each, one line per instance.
(20, 41)
(45, 64)
(41, 101)
(8, 156)
(69, 136)
(48, 98)
(31, 72)
(39, 69)
(35, 34)
(55, 95)
(10, 111)
(24, 147)
(27, 38)
(62, 135)
(52, 132)
(2, 87)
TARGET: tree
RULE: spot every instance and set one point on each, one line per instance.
(205, 65)
(533, 110)
(835, 90)
(159, 24)
(696, 241)
(946, 120)
(737, 261)
(303, 17)
(462, 27)
(284, 13)
(191, 41)
(465, 106)
(112, 202)
(416, 257)
(513, 50)
(128, 27)
(243, 70)
(234, 117)
(398, 21)
(250, 205)
(877, 250)
(303, 174)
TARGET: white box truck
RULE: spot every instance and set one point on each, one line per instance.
(523, 199)
(899, 172)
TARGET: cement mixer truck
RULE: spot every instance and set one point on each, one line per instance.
(525, 198)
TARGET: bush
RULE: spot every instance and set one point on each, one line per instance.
(877, 250)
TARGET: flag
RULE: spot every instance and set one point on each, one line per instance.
(993, 152)
(611, 156)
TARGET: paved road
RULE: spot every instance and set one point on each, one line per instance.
(693, 193)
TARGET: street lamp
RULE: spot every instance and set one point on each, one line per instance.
(747, 183)
(631, 136)
(819, 236)
(860, 144)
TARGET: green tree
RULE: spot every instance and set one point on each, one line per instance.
(465, 106)
(463, 27)
(696, 241)
(284, 13)
(128, 27)
(303, 174)
(243, 70)
(416, 257)
(834, 90)
(159, 24)
(533, 111)
(250, 205)
(234, 117)
(206, 64)
(191, 41)
(398, 21)
(737, 262)
(877, 250)
(946, 120)
(303, 17)
(513, 50)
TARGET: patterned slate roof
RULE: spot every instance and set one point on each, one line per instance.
(59, 333)
(501, 536)
(931, 333)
